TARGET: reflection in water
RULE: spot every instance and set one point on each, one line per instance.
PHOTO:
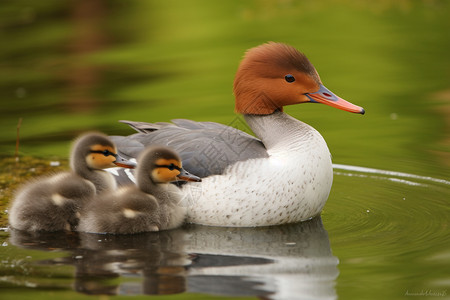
(274, 262)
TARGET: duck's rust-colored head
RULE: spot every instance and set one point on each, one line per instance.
(273, 75)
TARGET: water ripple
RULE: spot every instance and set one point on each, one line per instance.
(388, 226)
(393, 174)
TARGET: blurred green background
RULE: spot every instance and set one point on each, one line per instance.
(71, 66)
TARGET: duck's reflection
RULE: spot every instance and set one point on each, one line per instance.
(282, 262)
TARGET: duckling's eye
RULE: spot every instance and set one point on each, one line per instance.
(289, 78)
(171, 167)
(104, 152)
(107, 153)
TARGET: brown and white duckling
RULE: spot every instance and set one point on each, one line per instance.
(51, 203)
(151, 205)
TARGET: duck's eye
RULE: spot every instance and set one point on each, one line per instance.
(289, 78)
(171, 167)
(104, 152)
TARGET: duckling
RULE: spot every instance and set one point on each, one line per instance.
(151, 205)
(51, 203)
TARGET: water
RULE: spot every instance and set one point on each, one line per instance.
(67, 67)
(368, 242)
(390, 233)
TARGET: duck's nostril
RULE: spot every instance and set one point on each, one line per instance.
(327, 95)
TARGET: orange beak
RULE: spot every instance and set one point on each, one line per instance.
(325, 96)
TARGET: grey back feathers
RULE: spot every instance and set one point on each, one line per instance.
(206, 148)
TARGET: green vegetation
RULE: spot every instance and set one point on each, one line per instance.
(14, 173)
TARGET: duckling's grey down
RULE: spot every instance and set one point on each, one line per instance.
(51, 203)
(152, 205)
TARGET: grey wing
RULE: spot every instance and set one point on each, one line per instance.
(206, 148)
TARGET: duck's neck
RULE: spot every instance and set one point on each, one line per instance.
(102, 180)
(158, 190)
(279, 131)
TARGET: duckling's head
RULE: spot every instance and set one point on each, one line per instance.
(273, 75)
(161, 165)
(96, 151)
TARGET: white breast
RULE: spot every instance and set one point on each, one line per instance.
(291, 185)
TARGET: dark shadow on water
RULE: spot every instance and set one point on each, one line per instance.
(279, 262)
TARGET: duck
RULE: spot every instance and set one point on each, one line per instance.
(282, 174)
(151, 205)
(52, 203)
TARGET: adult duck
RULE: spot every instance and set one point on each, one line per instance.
(52, 203)
(283, 176)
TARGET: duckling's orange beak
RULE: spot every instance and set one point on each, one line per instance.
(325, 96)
(124, 163)
(186, 176)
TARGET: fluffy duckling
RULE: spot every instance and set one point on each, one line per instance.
(151, 205)
(51, 203)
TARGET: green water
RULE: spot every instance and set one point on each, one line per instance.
(67, 67)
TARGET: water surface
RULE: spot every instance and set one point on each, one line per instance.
(373, 236)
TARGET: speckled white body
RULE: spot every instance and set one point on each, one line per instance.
(291, 185)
